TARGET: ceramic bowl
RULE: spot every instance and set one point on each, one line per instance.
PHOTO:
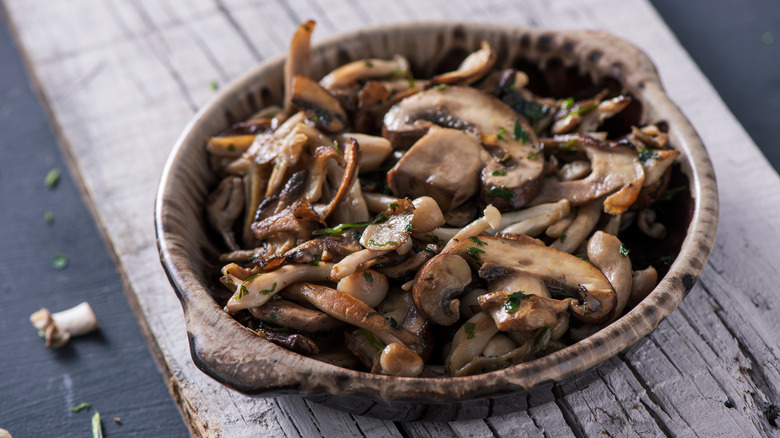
(559, 63)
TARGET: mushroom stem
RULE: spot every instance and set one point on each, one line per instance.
(58, 328)
(491, 219)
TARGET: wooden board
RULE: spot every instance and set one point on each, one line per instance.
(123, 77)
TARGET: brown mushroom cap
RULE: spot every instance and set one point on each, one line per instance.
(320, 106)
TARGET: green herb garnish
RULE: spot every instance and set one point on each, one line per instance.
(669, 193)
(623, 250)
(367, 275)
(440, 87)
(500, 133)
(273, 318)
(582, 109)
(568, 145)
(97, 428)
(474, 252)
(410, 80)
(269, 291)
(513, 301)
(646, 154)
(541, 334)
(338, 229)
(469, 327)
(48, 217)
(568, 103)
(520, 134)
(368, 63)
(477, 241)
(502, 192)
(375, 243)
(373, 340)
(393, 205)
(336, 146)
(563, 238)
(393, 323)
(315, 263)
(52, 178)
(81, 407)
(498, 173)
(60, 261)
(533, 155)
(213, 85)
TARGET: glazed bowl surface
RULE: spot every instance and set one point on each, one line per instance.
(559, 63)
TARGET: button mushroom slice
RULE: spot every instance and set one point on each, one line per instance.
(256, 290)
(643, 283)
(584, 221)
(364, 69)
(606, 251)
(445, 276)
(511, 179)
(298, 60)
(285, 313)
(398, 360)
(353, 311)
(469, 341)
(473, 68)
(368, 286)
(615, 171)
(657, 165)
(534, 220)
(443, 164)
(374, 150)
(224, 206)
(320, 107)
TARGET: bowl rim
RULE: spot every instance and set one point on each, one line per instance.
(242, 374)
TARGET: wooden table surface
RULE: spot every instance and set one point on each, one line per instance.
(120, 79)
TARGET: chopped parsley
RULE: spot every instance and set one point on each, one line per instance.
(213, 85)
(410, 79)
(373, 340)
(231, 147)
(477, 241)
(646, 154)
(501, 192)
(393, 323)
(339, 229)
(540, 336)
(269, 291)
(568, 103)
(393, 206)
(623, 250)
(375, 243)
(533, 155)
(367, 275)
(669, 193)
(81, 407)
(563, 238)
(520, 134)
(242, 290)
(52, 178)
(408, 227)
(315, 263)
(60, 261)
(48, 217)
(500, 133)
(97, 428)
(273, 318)
(498, 173)
(469, 327)
(368, 63)
(336, 146)
(513, 301)
(474, 252)
(568, 145)
(582, 109)
(426, 249)
(441, 87)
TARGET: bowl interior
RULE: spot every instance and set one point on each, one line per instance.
(559, 64)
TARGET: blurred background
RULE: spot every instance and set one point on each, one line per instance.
(735, 44)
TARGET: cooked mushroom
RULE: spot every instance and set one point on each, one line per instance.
(643, 283)
(298, 60)
(648, 225)
(614, 168)
(291, 315)
(373, 150)
(474, 67)
(469, 341)
(57, 328)
(294, 341)
(349, 309)
(499, 257)
(368, 286)
(258, 289)
(399, 360)
(491, 219)
(320, 107)
(608, 254)
(532, 221)
(511, 179)
(364, 69)
(224, 206)
(522, 310)
(586, 219)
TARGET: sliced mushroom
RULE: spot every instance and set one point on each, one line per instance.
(643, 283)
(657, 165)
(349, 177)
(443, 164)
(231, 147)
(351, 310)
(615, 168)
(533, 220)
(368, 286)
(293, 341)
(410, 264)
(491, 219)
(374, 150)
(469, 341)
(606, 109)
(320, 107)
(324, 248)
(298, 60)
(586, 219)
(445, 276)
(354, 262)
(364, 69)
(509, 180)
(258, 289)
(285, 313)
(608, 254)
(474, 67)
(224, 206)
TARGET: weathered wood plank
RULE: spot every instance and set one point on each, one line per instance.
(123, 78)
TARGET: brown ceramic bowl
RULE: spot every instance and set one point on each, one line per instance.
(559, 63)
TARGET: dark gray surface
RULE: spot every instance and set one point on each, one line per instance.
(112, 369)
(737, 46)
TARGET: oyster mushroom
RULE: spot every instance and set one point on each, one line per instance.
(365, 69)
(512, 177)
(445, 276)
(647, 224)
(224, 206)
(368, 286)
(256, 290)
(520, 308)
(320, 106)
(606, 252)
(614, 168)
(474, 67)
(469, 341)
(399, 360)
(288, 314)
(643, 283)
(351, 310)
(533, 220)
(374, 150)
(581, 226)
(298, 60)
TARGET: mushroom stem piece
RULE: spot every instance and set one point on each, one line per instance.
(57, 328)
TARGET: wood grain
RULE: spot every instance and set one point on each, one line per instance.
(122, 78)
